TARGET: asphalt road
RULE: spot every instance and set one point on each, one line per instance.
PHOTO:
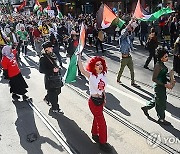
(129, 131)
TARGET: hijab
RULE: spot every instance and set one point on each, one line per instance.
(7, 51)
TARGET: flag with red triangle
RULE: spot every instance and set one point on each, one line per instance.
(21, 6)
(104, 17)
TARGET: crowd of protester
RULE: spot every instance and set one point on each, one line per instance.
(49, 36)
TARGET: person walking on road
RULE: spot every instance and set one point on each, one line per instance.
(12, 72)
(48, 65)
(173, 31)
(23, 40)
(96, 73)
(160, 79)
(125, 49)
(176, 60)
(99, 37)
(152, 44)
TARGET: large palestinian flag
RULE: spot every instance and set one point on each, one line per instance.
(104, 17)
(72, 68)
(141, 14)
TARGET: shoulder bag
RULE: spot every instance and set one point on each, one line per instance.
(54, 81)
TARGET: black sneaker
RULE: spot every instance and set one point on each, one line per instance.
(47, 102)
(134, 85)
(118, 81)
(15, 96)
(25, 97)
(58, 111)
(145, 110)
(164, 122)
(106, 147)
(146, 67)
(95, 138)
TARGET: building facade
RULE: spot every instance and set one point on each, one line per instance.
(91, 6)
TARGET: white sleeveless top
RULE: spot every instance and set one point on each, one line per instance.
(97, 84)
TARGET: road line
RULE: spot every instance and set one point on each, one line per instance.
(140, 131)
(54, 131)
(136, 99)
(139, 101)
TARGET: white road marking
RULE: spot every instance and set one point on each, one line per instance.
(138, 100)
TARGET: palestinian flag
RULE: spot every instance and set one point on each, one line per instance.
(72, 68)
(39, 13)
(20, 7)
(59, 15)
(143, 15)
(104, 17)
(37, 6)
(45, 11)
(118, 22)
(81, 40)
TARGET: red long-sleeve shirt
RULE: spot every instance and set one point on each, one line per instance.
(10, 65)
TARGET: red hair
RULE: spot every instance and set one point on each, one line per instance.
(91, 65)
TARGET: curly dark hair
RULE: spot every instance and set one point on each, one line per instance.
(160, 52)
(91, 65)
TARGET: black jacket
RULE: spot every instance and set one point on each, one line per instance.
(46, 67)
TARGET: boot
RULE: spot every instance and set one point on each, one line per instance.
(105, 147)
(95, 138)
(145, 110)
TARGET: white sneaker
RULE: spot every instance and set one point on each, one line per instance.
(58, 111)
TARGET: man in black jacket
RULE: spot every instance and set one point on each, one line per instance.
(48, 66)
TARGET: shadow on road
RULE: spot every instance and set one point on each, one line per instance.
(137, 93)
(81, 83)
(76, 137)
(25, 125)
(114, 104)
(3, 81)
(172, 130)
(170, 108)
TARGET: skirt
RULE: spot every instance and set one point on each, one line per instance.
(18, 85)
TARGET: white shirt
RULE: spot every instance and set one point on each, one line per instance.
(97, 84)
